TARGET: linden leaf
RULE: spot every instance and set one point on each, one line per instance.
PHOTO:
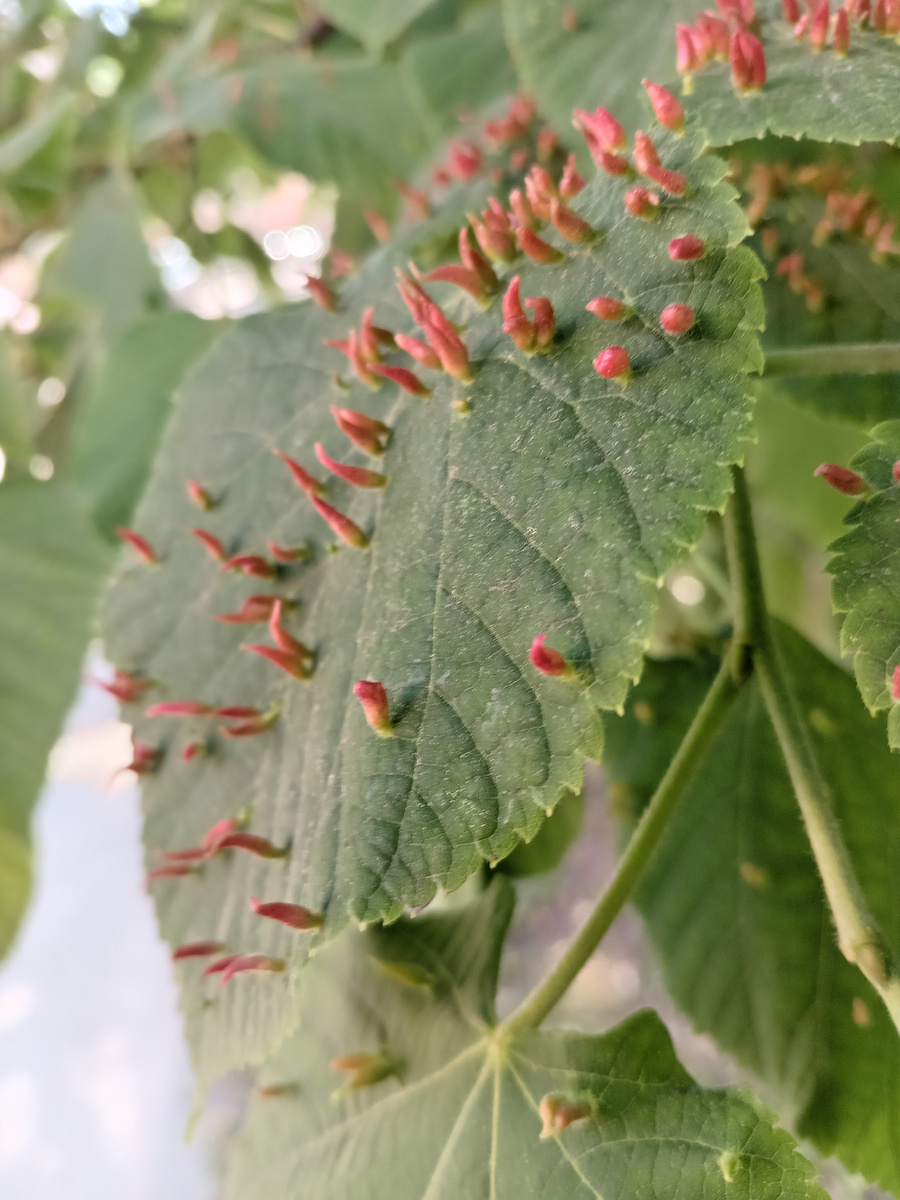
(734, 904)
(554, 506)
(867, 577)
(459, 1115)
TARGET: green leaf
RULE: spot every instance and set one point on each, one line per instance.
(600, 61)
(734, 906)
(51, 564)
(820, 96)
(104, 260)
(462, 1118)
(547, 850)
(126, 409)
(867, 577)
(375, 23)
(554, 506)
(27, 139)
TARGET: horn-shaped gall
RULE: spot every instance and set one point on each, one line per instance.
(640, 202)
(569, 225)
(366, 432)
(523, 331)
(358, 476)
(557, 1114)
(536, 248)
(306, 482)
(179, 708)
(572, 181)
(235, 964)
(213, 546)
(668, 110)
(842, 479)
(197, 494)
(196, 950)
(293, 915)
(407, 380)
(549, 662)
(125, 688)
(254, 609)
(418, 350)
(348, 531)
(294, 664)
(321, 294)
(252, 565)
(374, 701)
(139, 544)
(251, 842)
(607, 308)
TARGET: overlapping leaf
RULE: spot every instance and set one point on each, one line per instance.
(462, 1118)
(554, 506)
(736, 911)
(867, 577)
(51, 566)
(374, 22)
(821, 96)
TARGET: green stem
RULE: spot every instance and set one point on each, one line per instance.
(858, 936)
(860, 358)
(706, 724)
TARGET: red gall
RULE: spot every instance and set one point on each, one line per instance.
(282, 639)
(645, 155)
(840, 38)
(687, 248)
(449, 348)
(791, 10)
(254, 609)
(476, 261)
(252, 565)
(522, 210)
(179, 708)
(549, 662)
(520, 328)
(713, 36)
(557, 1114)
(293, 915)
(171, 871)
(544, 319)
(196, 950)
(418, 350)
(601, 127)
(748, 62)
(223, 828)
(818, 26)
(405, 379)
(253, 726)
(374, 701)
(494, 240)
(641, 203)
(895, 685)
(365, 1069)
(690, 55)
(357, 476)
(366, 432)
(668, 110)
(294, 664)
(672, 182)
(879, 16)
(287, 554)
(538, 195)
(236, 711)
(607, 308)
(237, 963)
(547, 144)
(465, 160)
(417, 206)
(193, 750)
(213, 546)
(125, 688)
(348, 531)
(677, 318)
(368, 338)
(197, 494)
(252, 843)
(321, 294)
(139, 544)
(895, 471)
(306, 482)
(800, 29)
(461, 277)
(614, 363)
(144, 760)
(379, 226)
(569, 225)
(360, 362)
(842, 479)
(536, 248)
(572, 181)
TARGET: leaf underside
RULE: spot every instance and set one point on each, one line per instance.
(866, 573)
(554, 507)
(463, 1118)
(735, 908)
(820, 96)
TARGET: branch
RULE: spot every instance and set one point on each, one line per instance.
(858, 358)
(706, 724)
(858, 935)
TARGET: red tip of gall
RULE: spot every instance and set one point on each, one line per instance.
(198, 495)
(302, 478)
(295, 664)
(571, 182)
(358, 476)
(236, 963)
(254, 609)
(613, 363)
(374, 701)
(677, 318)
(671, 182)
(687, 248)
(365, 432)
(640, 202)
(645, 155)
(818, 26)
(791, 10)
(895, 471)
(669, 111)
(405, 379)
(179, 708)
(842, 479)
(536, 248)
(214, 547)
(196, 950)
(348, 531)
(895, 685)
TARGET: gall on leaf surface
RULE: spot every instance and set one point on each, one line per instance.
(866, 569)
(460, 1118)
(820, 95)
(735, 908)
(554, 506)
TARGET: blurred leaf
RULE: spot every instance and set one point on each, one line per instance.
(122, 417)
(51, 566)
(104, 260)
(735, 908)
(374, 22)
(15, 424)
(866, 573)
(27, 139)
(460, 1117)
(581, 53)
